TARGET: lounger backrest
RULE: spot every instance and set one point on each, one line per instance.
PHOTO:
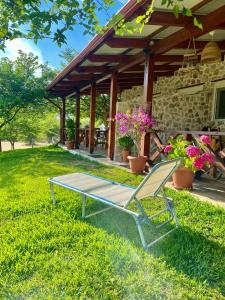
(156, 179)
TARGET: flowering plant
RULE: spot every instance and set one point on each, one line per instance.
(135, 124)
(193, 158)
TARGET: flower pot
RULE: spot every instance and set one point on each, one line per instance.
(125, 154)
(183, 178)
(137, 164)
(70, 144)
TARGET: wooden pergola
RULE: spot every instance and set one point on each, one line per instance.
(111, 63)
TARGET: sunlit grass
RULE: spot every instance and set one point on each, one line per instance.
(49, 252)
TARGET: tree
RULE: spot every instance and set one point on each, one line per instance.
(32, 125)
(35, 19)
(67, 55)
(102, 107)
(22, 85)
(11, 133)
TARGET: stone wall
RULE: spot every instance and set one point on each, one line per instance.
(183, 101)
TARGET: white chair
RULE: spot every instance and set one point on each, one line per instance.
(120, 196)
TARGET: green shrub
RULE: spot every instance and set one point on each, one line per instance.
(125, 142)
(70, 129)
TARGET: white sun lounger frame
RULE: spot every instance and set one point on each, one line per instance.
(140, 217)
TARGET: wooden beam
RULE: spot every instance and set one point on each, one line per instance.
(200, 5)
(112, 113)
(94, 69)
(169, 58)
(117, 42)
(79, 77)
(109, 58)
(131, 75)
(199, 44)
(169, 19)
(77, 118)
(162, 58)
(209, 22)
(148, 95)
(63, 121)
(92, 118)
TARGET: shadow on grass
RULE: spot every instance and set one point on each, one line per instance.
(185, 250)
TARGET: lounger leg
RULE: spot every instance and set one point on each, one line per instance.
(140, 231)
(172, 210)
(52, 193)
(83, 205)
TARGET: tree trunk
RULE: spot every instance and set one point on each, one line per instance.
(0, 145)
(12, 145)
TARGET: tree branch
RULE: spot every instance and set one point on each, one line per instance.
(10, 119)
(52, 102)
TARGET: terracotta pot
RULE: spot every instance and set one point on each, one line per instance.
(125, 154)
(183, 178)
(137, 164)
(70, 144)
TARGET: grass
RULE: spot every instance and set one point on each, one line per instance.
(49, 252)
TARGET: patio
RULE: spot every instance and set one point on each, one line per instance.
(155, 70)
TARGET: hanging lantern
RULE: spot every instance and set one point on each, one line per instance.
(191, 57)
(211, 53)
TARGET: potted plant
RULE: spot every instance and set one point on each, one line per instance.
(135, 124)
(126, 143)
(70, 134)
(193, 160)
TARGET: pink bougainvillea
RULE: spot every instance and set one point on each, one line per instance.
(193, 151)
(135, 124)
(168, 149)
(205, 139)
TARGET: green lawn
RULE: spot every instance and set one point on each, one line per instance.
(49, 252)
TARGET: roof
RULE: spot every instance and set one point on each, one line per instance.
(165, 35)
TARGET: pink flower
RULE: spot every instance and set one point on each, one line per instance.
(168, 149)
(123, 129)
(207, 157)
(193, 151)
(205, 139)
(199, 163)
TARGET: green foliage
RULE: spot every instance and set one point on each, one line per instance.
(70, 129)
(31, 126)
(102, 108)
(179, 145)
(48, 19)
(125, 142)
(22, 85)
(52, 19)
(67, 55)
(49, 252)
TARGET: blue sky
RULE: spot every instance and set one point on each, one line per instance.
(48, 51)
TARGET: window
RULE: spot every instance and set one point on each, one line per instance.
(220, 104)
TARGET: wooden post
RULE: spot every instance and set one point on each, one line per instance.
(77, 126)
(63, 121)
(92, 118)
(148, 95)
(112, 112)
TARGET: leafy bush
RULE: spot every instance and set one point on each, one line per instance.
(125, 142)
(70, 129)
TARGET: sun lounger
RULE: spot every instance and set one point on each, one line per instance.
(120, 196)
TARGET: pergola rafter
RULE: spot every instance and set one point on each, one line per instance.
(110, 64)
